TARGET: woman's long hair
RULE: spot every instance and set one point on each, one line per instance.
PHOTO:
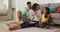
(48, 11)
(34, 6)
(19, 14)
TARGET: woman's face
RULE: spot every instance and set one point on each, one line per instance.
(44, 11)
(38, 7)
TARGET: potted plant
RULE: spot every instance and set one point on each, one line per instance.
(13, 9)
(14, 13)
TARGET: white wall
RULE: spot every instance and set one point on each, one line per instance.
(20, 4)
(5, 3)
(1, 5)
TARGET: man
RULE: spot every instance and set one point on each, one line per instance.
(25, 16)
(26, 13)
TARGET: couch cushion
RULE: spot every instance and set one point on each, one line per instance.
(3, 12)
(55, 15)
(45, 5)
(56, 21)
(53, 9)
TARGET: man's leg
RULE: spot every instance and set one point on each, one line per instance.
(24, 25)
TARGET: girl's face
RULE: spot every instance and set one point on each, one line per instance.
(44, 11)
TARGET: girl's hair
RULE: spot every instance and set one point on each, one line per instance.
(35, 6)
(19, 14)
(48, 11)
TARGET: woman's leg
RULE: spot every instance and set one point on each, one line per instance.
(36, 24)
(24, 25)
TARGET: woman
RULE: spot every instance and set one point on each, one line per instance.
(35, 13)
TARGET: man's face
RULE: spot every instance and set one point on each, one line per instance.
(29, 6)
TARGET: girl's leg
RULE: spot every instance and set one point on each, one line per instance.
(8, 23)
(44, 25)
(17, 26)
(11, 27)
(14, 27)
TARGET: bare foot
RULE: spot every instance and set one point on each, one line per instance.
(51, 28)
(45, 28)
(7, 23)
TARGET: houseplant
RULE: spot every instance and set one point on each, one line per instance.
(13, 13)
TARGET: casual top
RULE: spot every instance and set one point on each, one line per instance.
(26, 13)
(34, 18)
(43, 18)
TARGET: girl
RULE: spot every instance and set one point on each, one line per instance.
(16, 24)
(45, 17)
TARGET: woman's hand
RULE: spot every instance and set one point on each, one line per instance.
(35, 13)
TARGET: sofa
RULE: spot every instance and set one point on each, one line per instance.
(5, 14)
(53, 11)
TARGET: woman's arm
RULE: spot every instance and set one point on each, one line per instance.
(40, 19)
(48, 18)
(30, 15)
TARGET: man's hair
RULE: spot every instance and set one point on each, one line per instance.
(28, 2)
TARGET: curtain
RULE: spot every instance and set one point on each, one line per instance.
(1, 4)
(5, 2)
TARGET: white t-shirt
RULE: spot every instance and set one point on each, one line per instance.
(35, 18)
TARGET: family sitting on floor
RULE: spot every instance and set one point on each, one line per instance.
(34, 17)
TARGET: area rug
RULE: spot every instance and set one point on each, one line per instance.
(34, 29)
(4, 28)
